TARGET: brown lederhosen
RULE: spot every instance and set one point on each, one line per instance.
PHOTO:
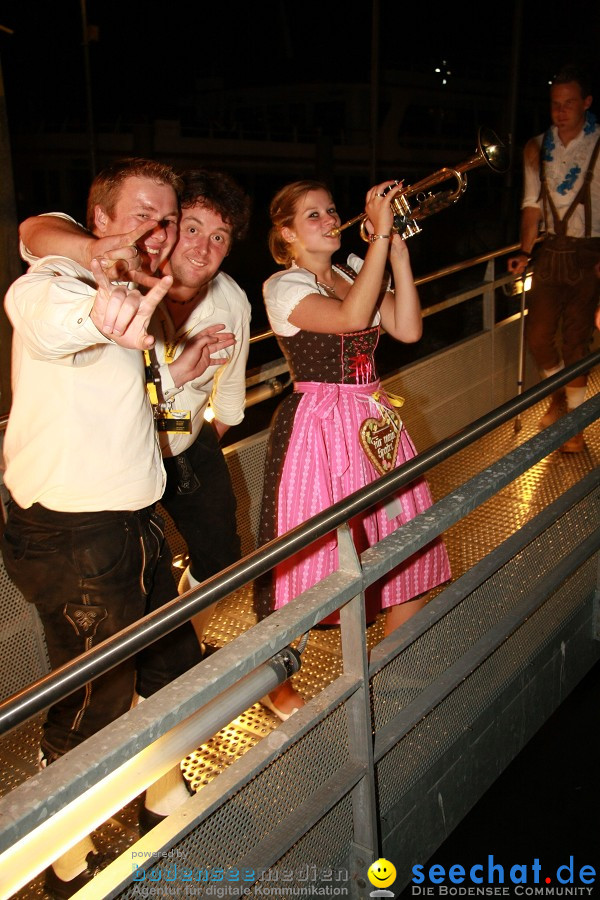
(565, 284)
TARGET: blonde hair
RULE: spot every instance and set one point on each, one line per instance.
(283, 210)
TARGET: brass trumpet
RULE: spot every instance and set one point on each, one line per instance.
(490, 151)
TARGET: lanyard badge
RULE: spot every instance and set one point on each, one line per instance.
(167, 418)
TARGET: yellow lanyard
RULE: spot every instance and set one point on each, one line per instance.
(171, 345)
(166, 418)
(152, 381)
(170, 350)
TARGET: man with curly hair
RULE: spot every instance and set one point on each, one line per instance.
(199, 496)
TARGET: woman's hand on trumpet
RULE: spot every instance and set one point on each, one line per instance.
(400, 307)
(378, 210)
(380, 216)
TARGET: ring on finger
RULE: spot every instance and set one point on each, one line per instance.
(133, 247)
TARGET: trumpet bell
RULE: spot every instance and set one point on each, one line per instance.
(493, 151)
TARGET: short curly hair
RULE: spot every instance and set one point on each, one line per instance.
(218, 192)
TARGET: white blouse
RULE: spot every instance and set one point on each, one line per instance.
(284, 290)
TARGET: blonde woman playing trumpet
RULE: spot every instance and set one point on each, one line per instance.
(339, 430)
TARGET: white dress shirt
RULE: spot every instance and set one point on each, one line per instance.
(223, 386)
(81, 435)
(565, 172)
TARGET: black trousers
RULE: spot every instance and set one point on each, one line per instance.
(199, 498)
(90, 575)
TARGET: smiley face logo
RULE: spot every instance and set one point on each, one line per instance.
(382, 873)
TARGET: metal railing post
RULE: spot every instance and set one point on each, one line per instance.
(360, 727)
(489, 321)
(596, 608)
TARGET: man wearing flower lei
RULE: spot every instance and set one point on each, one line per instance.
(561, 199)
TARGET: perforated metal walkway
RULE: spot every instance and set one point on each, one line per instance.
(467, 542)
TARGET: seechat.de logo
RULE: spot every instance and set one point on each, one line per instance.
(518, 880)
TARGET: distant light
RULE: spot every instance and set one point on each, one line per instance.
(209, 414)
(444, 71)
(518, 286)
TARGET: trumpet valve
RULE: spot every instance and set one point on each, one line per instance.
(404, 223)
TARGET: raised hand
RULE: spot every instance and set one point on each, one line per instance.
(120, 256)
(380, 217)
(122, 314)
(195, 358)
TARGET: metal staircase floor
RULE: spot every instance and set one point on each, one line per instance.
(467, 542)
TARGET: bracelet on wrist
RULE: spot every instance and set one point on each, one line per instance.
(375, 237)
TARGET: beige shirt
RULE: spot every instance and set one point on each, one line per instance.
(80, 436)
(223, 386)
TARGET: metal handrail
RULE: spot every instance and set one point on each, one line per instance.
(74, 674)
(266, 333)
(427, 279)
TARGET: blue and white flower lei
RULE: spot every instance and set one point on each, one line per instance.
(549, 146)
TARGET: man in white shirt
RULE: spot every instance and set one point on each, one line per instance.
(199, 496)
(84, 468)
(215, 212)
(562, 195)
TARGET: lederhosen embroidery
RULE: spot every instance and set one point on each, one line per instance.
(562, 259)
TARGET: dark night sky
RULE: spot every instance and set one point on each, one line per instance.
(149, 54)
(150, 57)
